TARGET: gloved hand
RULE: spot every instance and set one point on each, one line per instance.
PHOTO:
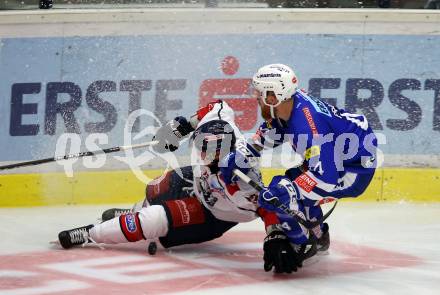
(280, 190)
(279, 253)
(242, 158)
(170, 134)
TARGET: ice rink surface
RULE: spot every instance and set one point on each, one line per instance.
(379, 248)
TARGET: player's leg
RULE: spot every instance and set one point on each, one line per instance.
(172, 185)
(175, 222)
(116, 212)
(148, 223)
(313, 212)
(191, 223)
(321, 231)
(352, 184)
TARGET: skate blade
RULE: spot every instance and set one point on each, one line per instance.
(54, 242)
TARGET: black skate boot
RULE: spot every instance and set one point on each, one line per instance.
(324, 241)
(75, 237)
(112, 213)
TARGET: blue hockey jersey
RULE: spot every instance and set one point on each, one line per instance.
(331, 141)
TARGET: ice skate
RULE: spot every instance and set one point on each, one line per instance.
(114, 212)
(323, 243)
(307, 252)
(75, 237)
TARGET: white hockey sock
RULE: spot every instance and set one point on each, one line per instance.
(108, 232)
(153, 222)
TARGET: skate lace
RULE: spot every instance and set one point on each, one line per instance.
(79, 235)
(93, 243)
(122, 211)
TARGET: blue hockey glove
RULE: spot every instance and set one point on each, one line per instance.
(243, 158)
(280, 190)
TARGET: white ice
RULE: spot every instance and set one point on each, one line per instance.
(405, 228)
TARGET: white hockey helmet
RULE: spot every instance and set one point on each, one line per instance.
(278, 78)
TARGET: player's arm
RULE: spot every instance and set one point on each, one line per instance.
(247, 154)
(278, 251)
(170, 134)
(243, 158)
(267, 136)
(269, 218)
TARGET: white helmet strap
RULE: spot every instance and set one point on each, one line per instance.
(271, 106)
(272, 112)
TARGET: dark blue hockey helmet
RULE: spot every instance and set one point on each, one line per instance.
(213, 140)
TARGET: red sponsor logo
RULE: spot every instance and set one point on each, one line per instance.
(238, 93)
(305, 182)
(326, 200)
(186, 211)
(183, 211)
(310, 121)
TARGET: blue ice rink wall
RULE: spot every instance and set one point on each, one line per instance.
(85, 71)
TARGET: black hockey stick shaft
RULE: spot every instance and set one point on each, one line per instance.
(78, 155)
(284, 208)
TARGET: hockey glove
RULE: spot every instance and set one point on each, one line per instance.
(281, 190)
(243, 158)
(279, 253)
(170, 134)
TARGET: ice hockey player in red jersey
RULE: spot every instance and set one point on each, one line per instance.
(195, 208)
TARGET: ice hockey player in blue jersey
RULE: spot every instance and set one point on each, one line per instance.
(339, 160)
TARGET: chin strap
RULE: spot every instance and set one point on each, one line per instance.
(272, 112)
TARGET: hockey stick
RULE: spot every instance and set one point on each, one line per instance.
(275, 202)
(79, 155)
